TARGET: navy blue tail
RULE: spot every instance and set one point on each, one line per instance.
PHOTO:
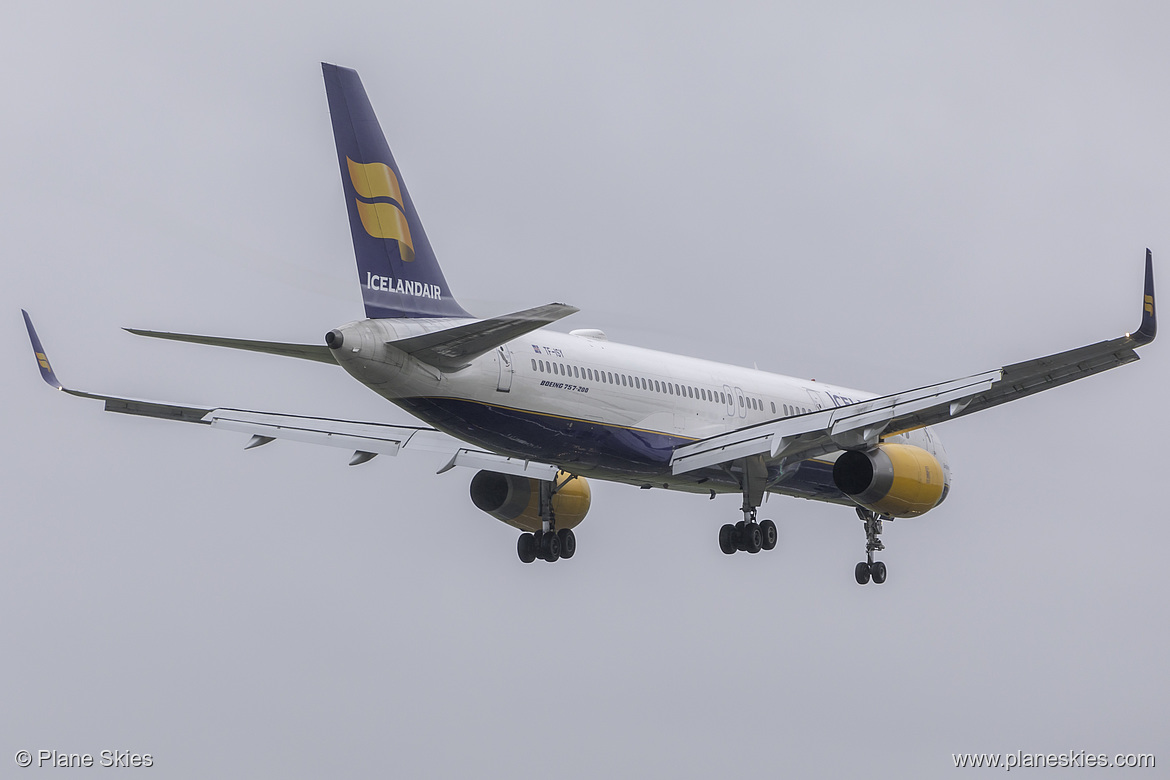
(399, 274)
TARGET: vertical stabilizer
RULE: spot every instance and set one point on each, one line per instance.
(397, 269)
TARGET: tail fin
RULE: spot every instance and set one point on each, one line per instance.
(399, 274)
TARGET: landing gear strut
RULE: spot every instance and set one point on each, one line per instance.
(549, 543)
(869, 568)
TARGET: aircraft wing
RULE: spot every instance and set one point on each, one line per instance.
(366, 439)
(860, 425)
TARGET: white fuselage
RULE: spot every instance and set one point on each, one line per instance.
(597, 407)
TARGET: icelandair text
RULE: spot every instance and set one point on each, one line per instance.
(403, 286)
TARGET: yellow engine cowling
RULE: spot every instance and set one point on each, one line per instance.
(516, 500)
(899, 480)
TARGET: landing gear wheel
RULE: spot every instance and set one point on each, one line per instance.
(568, 542)
(550, 547)
(727, 539)
(770, 534)
(526, 548)
(738, 535)
(861, 573)
(753, 538)
(877, 570)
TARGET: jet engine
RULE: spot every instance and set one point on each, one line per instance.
(899, 480)
(516, 500)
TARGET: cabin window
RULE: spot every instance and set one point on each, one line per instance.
(623, 380)
(690, 392)
(722, 397)
(741, 402)
(533, 364)
(773, 407)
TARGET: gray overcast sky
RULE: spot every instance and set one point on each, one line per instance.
(878, 195)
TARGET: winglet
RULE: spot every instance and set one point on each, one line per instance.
(1145, 334)
(42, 361)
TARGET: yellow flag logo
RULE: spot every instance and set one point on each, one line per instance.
(380, 219)
(1149, 304)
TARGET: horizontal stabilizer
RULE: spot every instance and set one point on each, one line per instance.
(454, 348)
(318, 352)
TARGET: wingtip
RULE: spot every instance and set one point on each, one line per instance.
(1149, 328)
(43, 364)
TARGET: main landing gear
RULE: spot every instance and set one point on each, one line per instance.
(869, 568)
(747, 535)
(549, 543)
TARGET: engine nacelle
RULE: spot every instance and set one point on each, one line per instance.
(899, 480)
(516, 500)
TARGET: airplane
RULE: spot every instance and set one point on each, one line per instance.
(537, 413)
